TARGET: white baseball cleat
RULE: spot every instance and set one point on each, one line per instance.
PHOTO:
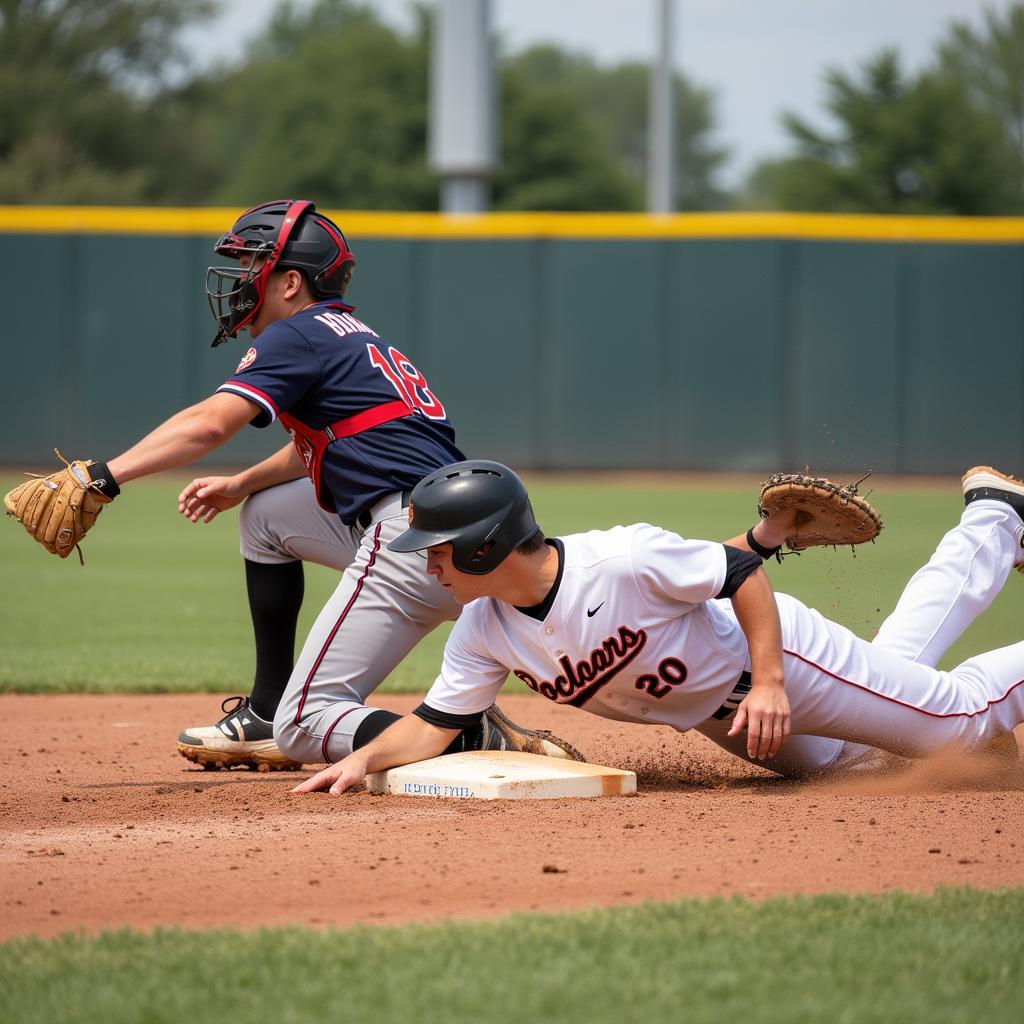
(986, 483)
(240, 738)
(985, 478)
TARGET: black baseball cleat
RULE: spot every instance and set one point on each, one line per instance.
(497, 732)
(240, 738)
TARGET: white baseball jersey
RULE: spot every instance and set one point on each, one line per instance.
(632, 630)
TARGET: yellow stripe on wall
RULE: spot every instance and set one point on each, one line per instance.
(134, 220)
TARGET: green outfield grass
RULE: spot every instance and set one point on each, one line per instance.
(951, 957)
(160, 604)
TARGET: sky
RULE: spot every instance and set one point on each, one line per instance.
(758, 57)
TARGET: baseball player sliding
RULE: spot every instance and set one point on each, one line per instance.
(639, 625)
(365, 427)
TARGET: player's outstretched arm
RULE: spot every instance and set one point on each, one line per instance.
(764, 712)
(185, 437)
(403, 742)
(770, 533)
(206, 496)
(59, 509)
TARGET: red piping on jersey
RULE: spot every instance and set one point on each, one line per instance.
(255, 391)
(327, 735)
(904, 704)
(337, 625)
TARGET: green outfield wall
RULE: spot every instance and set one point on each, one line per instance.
(717, 341)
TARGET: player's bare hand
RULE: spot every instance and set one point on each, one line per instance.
(207, 496)
(335, 778)
(776, 527)
(764, 713)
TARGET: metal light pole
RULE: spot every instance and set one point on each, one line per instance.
(463, 107)
(661, 148)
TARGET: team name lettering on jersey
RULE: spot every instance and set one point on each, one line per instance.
(344, 324)
(580, 681)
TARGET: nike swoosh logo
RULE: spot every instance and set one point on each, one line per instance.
(591, 612)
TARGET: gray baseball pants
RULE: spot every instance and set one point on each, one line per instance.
(384, 604)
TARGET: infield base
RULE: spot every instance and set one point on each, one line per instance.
(502, 775)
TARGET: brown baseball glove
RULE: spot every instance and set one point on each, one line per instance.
(824, 513)
(58, 510)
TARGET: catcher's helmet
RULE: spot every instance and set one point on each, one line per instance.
(284, 233)
(471, 505)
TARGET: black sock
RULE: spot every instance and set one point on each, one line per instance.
(372, 726)
(275, 597)
(469, 739)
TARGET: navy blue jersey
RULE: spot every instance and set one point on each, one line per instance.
(326, 368)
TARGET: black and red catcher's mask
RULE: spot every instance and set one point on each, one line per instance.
(267, 237)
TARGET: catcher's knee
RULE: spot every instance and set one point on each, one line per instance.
(259, 539)
(294, 742)
(323, 737)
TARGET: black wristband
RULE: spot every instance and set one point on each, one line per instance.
(760, 549)
(100, 475)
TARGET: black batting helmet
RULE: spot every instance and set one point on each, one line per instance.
(282, 234)
(471, 505)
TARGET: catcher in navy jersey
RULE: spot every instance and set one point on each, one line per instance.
(365, 427)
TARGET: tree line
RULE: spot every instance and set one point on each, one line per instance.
(99, 105)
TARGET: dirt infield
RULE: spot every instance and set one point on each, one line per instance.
(104, 825)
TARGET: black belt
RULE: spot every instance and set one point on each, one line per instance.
(366, 516)
(733, 701)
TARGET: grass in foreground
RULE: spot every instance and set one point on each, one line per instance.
(954, 956)
(160, 604)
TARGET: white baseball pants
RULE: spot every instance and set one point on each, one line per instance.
(887, 693)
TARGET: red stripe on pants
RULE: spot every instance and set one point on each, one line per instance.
(337, 625)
